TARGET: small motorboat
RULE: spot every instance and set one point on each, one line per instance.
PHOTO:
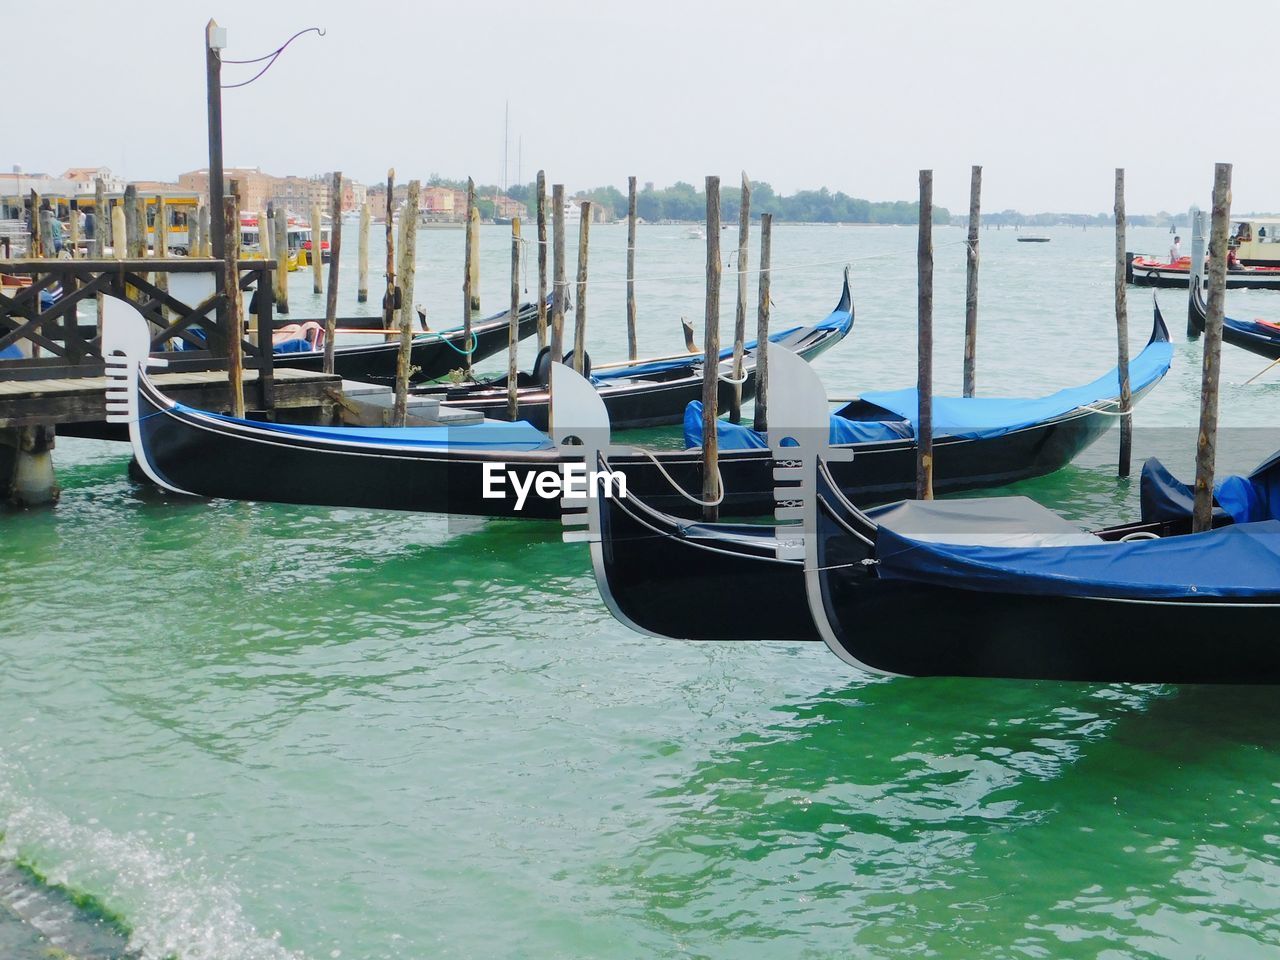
(1154, 272)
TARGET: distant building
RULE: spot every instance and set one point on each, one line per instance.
(440, 204)
(255, 186)
(86, 178)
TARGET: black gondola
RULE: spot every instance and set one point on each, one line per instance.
(1256, 336)
(884, 469)
(434, 469)
(663, 575)
(649, 393)
(1002, 587)
(434, 354)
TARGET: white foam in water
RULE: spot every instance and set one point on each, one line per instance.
(173, 907)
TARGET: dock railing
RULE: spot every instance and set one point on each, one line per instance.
(191, 336)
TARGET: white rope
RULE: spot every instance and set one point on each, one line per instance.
(1107, 413)
(680, 490)
(735, 382)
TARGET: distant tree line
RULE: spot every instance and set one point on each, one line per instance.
(684, 201)
(1014, 218)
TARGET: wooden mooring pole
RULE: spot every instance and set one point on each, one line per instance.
(280, 238)
(924, 368)
(557, 287)
(235, 303)
(557, 272)
(710, 364)
(101, 234)
(762, 326)
(513, 325)
(474, 270)
(408, 271)
(206, 241)
(971, 283)
(580, 300)
(389, 294)
(362, 253)
(1122, 335)
(317, 255)
(335, 251)
(1207, 439)
(467, 254)
(740, 316)
(633, 350)
(542, 259)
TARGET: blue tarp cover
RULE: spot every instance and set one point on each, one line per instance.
(973, 418)
(836, 320)
(490, 435)
(1244, 499)
(1236, 561)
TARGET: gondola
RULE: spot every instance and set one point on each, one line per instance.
(1149, 272)
(649, 393)
(663, 575)
(434, 469)
(434, 353)
(1256, 336)
(1002, 587)
(1020, 439)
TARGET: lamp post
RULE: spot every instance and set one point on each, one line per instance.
(215, 42)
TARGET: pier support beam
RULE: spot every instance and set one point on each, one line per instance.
(26, 466)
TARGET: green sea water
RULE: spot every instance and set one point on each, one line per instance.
(259, 731)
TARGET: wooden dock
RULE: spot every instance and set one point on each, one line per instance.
(82, 400)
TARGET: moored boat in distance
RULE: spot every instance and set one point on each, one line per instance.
(1257, 336)
(1154, 272)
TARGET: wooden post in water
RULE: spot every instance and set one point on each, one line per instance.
(762, 325)
(362, 252)
(513, 324)
(101, 232)
(73, 224)
(580, 303)
(162, 227)
(474, 230)
(331, 296)
(633, 350)
(101, 219)
(467, 299)
(119, 230)
(206, 241)
(542, 259)
(740, 317)
(317, 254)
(971, 283)
(1196, 273)
(1207, 440)
(557, 288)
(235, 304)
(35, 246)
(131, 222)
(389, 296)
(557, 273)
(281, 240)
(1122, 335)
(710, 365)
(408, 269)
(924, 369)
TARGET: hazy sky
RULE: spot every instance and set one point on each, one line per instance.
(853, 95)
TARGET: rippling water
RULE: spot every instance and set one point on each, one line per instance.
(257, 731)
